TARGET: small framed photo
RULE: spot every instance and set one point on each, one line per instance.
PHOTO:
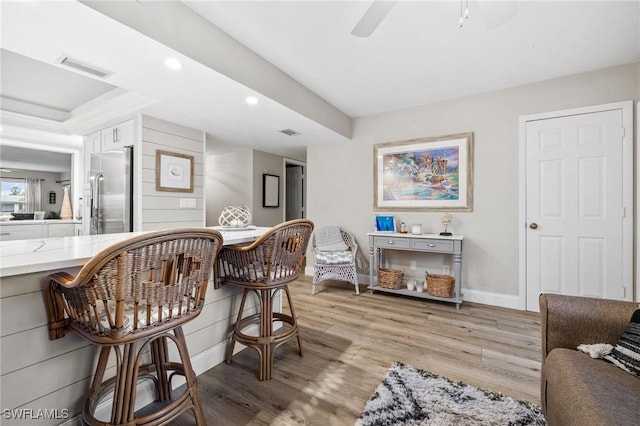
(174, 172)
(270, 190)
(385, 223)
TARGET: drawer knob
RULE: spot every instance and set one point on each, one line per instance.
(391, 242)
(431, 245)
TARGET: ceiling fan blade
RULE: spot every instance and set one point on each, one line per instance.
(372, 18)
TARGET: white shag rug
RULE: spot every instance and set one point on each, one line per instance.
(408, 396)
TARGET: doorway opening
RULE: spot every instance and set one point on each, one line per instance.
(295, 189)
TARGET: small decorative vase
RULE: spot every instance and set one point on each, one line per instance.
(65, 212)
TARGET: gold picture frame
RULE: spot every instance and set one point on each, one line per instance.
(174, 172)
(424, 174)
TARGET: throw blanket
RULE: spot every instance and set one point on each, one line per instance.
(329, 238)
(598, 350)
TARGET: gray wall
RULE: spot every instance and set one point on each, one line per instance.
(234, 177)
(340, 177)
(229, 180)
(264, 162)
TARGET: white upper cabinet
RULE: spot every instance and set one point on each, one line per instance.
(118, 136)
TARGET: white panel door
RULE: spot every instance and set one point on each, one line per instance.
(575, 207)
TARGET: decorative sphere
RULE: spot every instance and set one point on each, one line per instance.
(235, 217)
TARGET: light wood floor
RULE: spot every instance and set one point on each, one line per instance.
(350, 341)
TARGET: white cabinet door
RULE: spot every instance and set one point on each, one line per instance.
(93, 142)
(92, 145)
(118, 136)
(20, 232)
(61, 230)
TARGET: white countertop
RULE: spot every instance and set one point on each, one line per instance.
(46, 254)
(38, 222)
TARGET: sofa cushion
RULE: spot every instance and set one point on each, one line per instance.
(580, 390)
(626, 353)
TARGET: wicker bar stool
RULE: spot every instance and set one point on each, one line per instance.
(132, 298)
(264, 268)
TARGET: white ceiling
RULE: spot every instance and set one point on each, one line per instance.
(44, 90)
(418, 55)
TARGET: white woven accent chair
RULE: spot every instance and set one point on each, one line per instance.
(335, 260)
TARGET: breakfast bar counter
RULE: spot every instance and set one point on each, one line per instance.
(38, 374)
(47, 254)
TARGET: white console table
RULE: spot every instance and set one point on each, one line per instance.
(426, 243)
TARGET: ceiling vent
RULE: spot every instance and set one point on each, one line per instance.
(290, 132)
(81, 66)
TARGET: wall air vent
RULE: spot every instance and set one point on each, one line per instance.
(290, 132)
(81, 66)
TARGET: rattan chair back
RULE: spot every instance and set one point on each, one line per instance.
(277, 257)
(142, 286)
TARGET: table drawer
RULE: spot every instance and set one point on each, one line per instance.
(390, 242)
(443, 246)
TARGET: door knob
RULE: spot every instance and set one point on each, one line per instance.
(533, 226)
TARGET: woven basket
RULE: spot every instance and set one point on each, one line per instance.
(390, 278)
(440, 285)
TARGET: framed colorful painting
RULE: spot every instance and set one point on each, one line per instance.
(426, 174)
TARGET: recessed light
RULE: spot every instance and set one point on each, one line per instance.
(252, 100)
(173, 63)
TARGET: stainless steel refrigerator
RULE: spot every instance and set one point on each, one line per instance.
(111, 179)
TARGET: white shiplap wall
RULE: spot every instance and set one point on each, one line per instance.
(39, 374)
(161, 210)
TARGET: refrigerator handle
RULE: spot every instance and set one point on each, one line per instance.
(96, 220)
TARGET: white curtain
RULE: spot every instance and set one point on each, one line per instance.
(33, 195)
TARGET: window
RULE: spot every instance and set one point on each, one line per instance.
(12, 196)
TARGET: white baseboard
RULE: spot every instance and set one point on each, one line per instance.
(492, 299)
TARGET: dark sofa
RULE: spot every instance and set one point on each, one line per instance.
(576, 389)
